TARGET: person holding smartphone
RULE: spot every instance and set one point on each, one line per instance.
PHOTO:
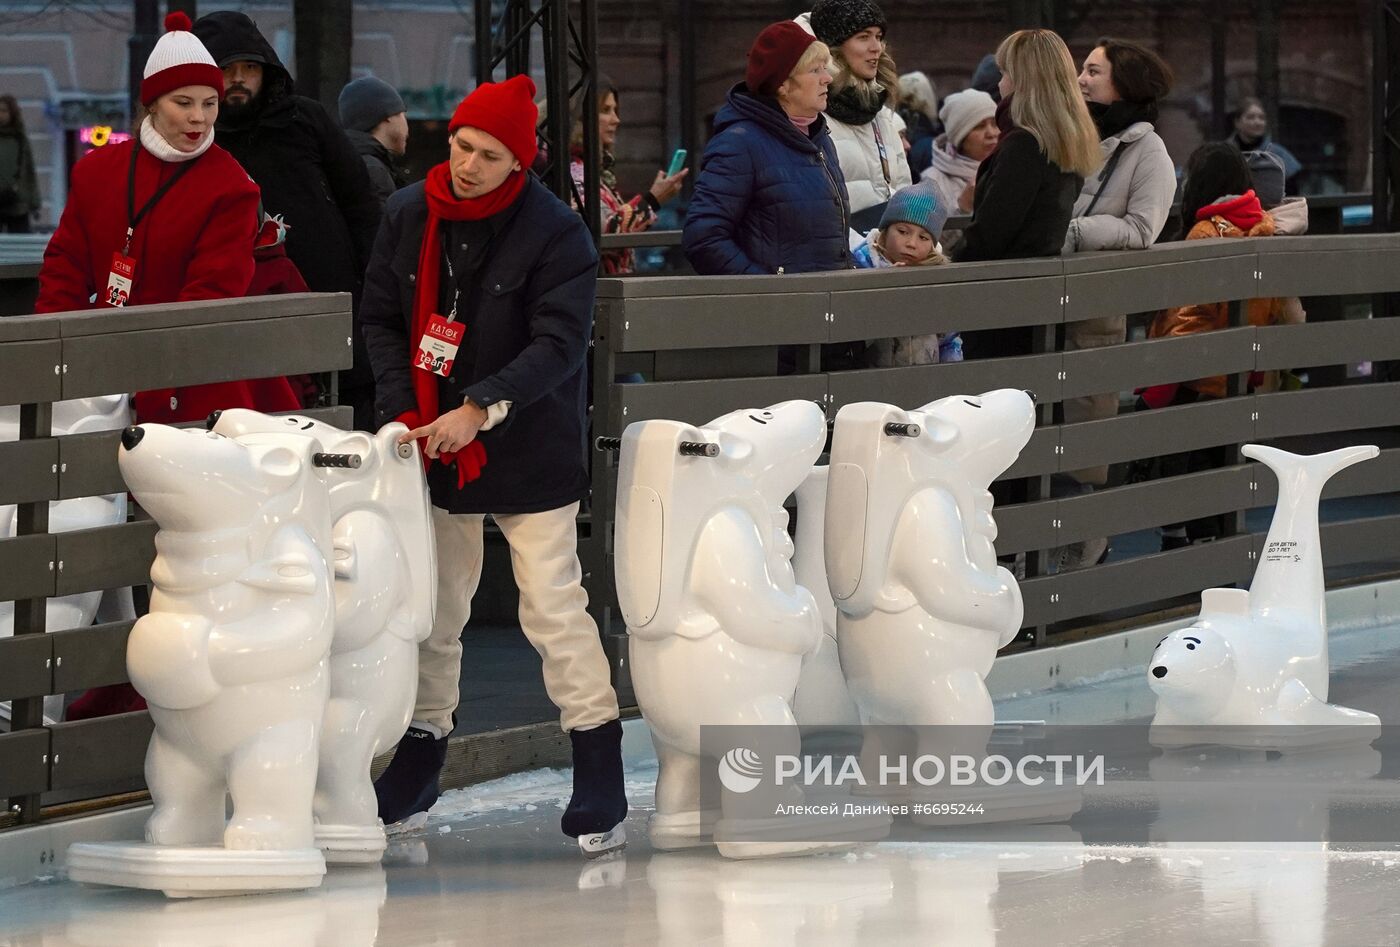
(619, 214)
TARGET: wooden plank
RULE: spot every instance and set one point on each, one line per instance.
(705, 321)
(1158, 361)
(24, 763)
(1327, 343)
(108, 557)
(101, 750)
(27, 567)
(916, 386)
(1348, 408)
(31, 372)
(192, 355)
(945, 307)
(699, 402)
(1164, 430)
(28, 470)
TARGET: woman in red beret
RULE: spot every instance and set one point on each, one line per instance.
(770, 197)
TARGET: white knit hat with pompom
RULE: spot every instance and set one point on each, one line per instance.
(178, 60)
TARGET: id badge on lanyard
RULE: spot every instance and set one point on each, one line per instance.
(438, 347)
(119, 280)
(122, 273)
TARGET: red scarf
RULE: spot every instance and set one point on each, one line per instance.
(1244, 211)
(443, 204)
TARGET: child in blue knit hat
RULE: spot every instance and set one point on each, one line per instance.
(907, 236)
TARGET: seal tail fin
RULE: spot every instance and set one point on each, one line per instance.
(1289, 575)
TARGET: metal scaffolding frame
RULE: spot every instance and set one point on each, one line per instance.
(569, 31)
(1385, 106)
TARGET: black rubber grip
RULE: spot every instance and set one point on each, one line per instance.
(352, 461)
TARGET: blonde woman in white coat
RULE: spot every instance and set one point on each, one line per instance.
(863, 90)
(1122, 207)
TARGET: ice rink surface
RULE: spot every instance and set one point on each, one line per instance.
(491, 868)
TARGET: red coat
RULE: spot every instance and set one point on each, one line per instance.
(196, 243)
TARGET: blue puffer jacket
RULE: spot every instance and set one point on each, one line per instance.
(768, 199)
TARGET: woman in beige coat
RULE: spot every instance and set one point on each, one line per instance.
(1123, 207)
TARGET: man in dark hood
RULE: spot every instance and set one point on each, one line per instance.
(309, 173)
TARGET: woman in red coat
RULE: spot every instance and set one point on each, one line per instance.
(166, 217)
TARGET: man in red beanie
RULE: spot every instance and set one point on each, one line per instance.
(478, 309)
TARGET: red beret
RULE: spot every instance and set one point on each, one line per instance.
(774, 55)
(505, 110)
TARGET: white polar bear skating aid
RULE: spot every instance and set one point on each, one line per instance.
(75, 416)
(385, 586)
(232, 662)
(718, 625)
(922, 605)
(1252, 670)
(822, 700)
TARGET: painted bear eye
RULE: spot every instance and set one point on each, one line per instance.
(1190, 647)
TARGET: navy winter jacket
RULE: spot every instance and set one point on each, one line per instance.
(768, 199)
(528, 315)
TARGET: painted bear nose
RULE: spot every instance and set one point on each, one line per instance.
(213, 419)
(1159, 671)
(1029, 394)
(132, 436)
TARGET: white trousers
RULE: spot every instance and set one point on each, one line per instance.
(553, 614)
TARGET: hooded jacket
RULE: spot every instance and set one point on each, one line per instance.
(1131, 197)
(768, 199)
(1233, 217)
(309, 173)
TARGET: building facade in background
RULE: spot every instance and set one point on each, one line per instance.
(65, 60)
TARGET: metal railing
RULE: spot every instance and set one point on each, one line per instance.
(1327, 216)
(708, 345)
(44, 359)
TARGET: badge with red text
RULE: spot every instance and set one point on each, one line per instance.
(439, 346)
(119, 280)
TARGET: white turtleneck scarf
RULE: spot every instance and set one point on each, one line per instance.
(156, 144)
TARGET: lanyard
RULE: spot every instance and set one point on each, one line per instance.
(880, 147)
(452, 277)
(134, 216)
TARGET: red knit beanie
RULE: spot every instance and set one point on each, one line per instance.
(505, 110)
(774, 55)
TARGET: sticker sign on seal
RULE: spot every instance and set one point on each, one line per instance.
(1283, 550)
(438, 347)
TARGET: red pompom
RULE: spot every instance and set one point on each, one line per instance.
(179, 20)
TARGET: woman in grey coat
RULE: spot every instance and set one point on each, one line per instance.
(1123, 207)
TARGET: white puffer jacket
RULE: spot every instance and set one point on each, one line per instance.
(859, 155)
(1136, 197)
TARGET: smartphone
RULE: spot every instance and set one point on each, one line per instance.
(677, 162)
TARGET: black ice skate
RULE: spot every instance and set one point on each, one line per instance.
(409, 787)
(598, 806)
